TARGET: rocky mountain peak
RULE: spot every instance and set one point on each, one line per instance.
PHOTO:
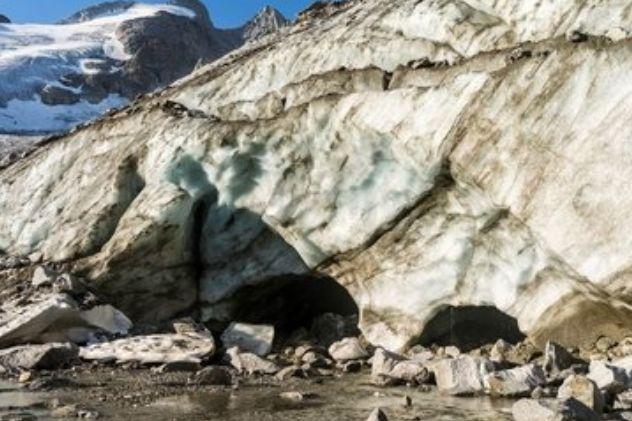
(267, 21)
(201, 12)
(4, 19)
(98, 10)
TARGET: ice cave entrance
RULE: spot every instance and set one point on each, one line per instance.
(292, 302)
(469, 327)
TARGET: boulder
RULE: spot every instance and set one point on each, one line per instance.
(556, 358)
(623, 400)
(552, 410)
(56, 95)
(256, 339)
(412, 372)
(249, 363)
(213, 376)
(289, 372)
(515, 382)
(35, 357)
(43, 276)
(377, 415)
(500, 351)
(607, 376)
(584, 390)
(152, 349)
(348, 349)
(22, 323)
(462, 375)
(108, 319)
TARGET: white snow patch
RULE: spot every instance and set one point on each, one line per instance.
(35, 116)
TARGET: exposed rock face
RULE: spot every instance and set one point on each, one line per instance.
(424, 161)
(56, 76)
(4, 19)
(266, 22)
(99, 10)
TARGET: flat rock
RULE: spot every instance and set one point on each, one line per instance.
(552, 410)
(256, 339)
(348, 349)
(249, 363)
(515, 382)
(25, 323)
(152, 349)
(107, 318)
(47, 356)
(584, 390)
(461, 376)
(43, 276)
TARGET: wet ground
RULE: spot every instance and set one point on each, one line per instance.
(144, 395)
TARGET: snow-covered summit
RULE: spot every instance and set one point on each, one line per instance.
(55, 76)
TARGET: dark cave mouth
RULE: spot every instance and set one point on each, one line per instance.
(291, 303)
(470, 327)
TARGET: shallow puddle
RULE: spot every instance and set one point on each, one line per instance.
(347, 398)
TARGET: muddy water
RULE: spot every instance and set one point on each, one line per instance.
(142, 396)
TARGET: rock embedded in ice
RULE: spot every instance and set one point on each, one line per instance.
(257, 339)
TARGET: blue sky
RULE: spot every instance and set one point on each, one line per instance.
(225, 13)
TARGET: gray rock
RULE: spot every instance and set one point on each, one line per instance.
(584, 390)
(289, 372)
(256, 339)
(55, 95)
(249, 363)
(25, 323)
(43, 276)
(607, 376)
(515, 382)
(179, 366)
(214, 376)
(461, 376)
(623, 400)
(377, 415)
(152, 349)
(107, 318)
(292, 396)
(412, 372)
(348, 349)
(500, 351)
(552, 410)
(34, 357)
(556, 358)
